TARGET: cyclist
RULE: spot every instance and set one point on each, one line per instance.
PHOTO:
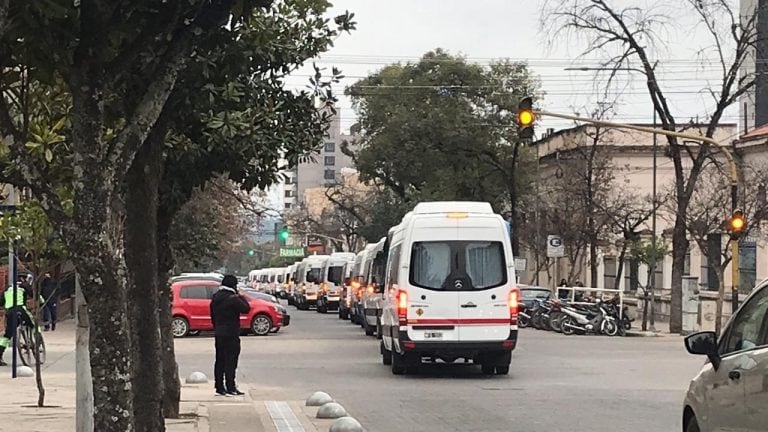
(20, 309)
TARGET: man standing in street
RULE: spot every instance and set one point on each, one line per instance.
(227, 305)
(51, 296)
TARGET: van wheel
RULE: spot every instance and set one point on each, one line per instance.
(379, 330)
(487, 368)
(369, 330)
(693, 425)
(322, 309)
(502, 370)
(386, 355)
(399, 367)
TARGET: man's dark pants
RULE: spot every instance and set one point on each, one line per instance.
(227, 355)
(49, 315)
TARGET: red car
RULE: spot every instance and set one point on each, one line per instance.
(192, 314)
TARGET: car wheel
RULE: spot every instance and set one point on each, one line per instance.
(693, 425)
(179, 327)
(386, 355)
(261, 325)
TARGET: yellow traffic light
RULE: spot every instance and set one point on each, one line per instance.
(525, 118)
(737, 224)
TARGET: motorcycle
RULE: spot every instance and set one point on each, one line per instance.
(523, 318)
(595, 319)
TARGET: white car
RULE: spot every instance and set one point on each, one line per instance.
(450, 289)
(730, 393)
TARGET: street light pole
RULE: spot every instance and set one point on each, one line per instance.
(652, 282)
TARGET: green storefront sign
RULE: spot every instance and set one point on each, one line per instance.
(295, 252)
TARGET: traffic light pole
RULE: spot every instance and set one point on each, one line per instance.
(734, 174)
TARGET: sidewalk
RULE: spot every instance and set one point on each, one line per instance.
(201, 410)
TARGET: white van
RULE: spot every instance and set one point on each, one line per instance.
(309, 271)
(284, 291)
(451, 290)
(332, 281)
(359, 277)
(375, 263)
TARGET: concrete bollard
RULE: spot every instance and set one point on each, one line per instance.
(346, 424)
(319, 399)
(197, 378)
(331, 410)
(24, 371)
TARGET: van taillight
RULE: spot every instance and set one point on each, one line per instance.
(514, 298)
(402, 307)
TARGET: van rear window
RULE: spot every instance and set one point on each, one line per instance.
(441, 265)
(335, 274)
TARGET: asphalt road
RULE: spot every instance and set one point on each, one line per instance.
(579, 383)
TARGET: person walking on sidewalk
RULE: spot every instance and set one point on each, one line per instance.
(227, 305)
(50, 295)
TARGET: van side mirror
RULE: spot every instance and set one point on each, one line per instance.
(704, 343)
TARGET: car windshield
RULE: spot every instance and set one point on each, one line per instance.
(530, 294)
(335, 274)
(481, 265)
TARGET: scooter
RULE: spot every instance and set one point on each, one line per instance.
(588, 321)
(523, 318)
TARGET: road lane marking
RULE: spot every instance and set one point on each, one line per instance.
(283, 417)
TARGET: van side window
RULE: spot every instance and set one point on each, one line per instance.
(394, 265)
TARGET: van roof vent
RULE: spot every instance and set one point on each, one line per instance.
(453, 206)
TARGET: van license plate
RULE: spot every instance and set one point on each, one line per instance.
(433, 335)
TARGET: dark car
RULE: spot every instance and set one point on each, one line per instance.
(529, 294)
(272, 299)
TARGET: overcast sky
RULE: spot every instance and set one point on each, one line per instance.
(403, 30)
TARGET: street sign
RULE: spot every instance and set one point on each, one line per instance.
(294, 252)
(521, 265)
(555, 246)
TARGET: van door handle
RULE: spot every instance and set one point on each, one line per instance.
(469, 305)
(734, 375)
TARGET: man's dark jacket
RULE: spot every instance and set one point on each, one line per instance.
(226, 308)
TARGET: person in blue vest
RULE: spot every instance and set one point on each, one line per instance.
(18, 307)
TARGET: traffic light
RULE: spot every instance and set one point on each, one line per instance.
(525, 118)
(737, 224)
(251, 252)
(284, 234)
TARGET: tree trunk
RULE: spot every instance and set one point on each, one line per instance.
(142, 182)
(620, 266)
(104, 288)
(171, 381)
(38, 313)
(84, 386)
(679, 250)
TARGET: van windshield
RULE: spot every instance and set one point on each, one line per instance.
(313, 275)
(335, 274)
(478, 265)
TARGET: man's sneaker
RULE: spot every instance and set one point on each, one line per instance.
(235, 392)
(222, 393)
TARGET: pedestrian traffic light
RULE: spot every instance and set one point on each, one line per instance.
(284, 234)
(737, 224)
(525, 118)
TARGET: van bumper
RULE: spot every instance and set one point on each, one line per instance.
(460, 348)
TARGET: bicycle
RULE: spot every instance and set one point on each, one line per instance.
(26, 335)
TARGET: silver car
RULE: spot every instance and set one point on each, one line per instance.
(730, 393)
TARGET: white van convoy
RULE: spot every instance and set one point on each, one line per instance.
(332, 281)
(375, 263)
(309, 276)
(450, 288)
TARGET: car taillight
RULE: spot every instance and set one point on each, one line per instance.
(402, 307)
(514, 298)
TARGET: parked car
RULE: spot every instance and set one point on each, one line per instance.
(191, 310)
(529, 294)
(272, 299)
(730, 391)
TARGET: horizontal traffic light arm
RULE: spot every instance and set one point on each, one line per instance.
(723, 148)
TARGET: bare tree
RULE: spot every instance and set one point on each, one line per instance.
(624, 36)
(706, 221)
